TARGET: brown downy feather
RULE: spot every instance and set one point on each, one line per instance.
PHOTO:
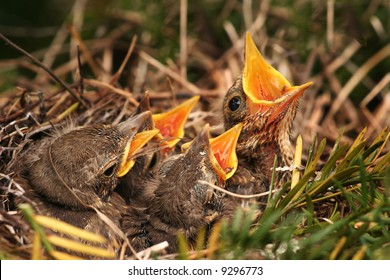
(175, 200)
(67, 175)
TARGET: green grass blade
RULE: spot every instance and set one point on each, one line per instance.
(328, 182)
(330, 164)
(320, 150)
(351, 156)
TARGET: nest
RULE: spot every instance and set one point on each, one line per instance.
(96, 92)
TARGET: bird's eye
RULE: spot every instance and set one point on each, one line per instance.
(234, 103)
(110, 171)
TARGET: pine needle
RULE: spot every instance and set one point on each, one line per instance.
(79, 247)
(66, 228)
(297, 163)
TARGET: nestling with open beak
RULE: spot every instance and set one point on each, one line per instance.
(170, 128)
(73, 172)
(177, 200)
(266, 103)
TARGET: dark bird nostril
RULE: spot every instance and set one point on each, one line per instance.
(234, 103)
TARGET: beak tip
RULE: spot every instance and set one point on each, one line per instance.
(133, 124)
(204, 134)
(309, 84)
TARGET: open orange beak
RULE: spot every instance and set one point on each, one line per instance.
(138, 141)
(171, 123)
(224, 151)
(264, 86)
(223, 156)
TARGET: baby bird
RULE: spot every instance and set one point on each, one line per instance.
(266, 103)
(69, 175)
(170, 127)
(181, 198)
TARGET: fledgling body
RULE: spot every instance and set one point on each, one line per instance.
(171, 126)
(73, 172)
(265, 102)
(176, 200)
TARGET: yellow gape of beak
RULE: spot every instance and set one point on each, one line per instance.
(133, 146)
(223, 152)
(264, 86)
(171, 123)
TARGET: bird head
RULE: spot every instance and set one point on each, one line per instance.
(82, 166)
(170, 126)
(222, 151)
(170, 129)
(261, 98)
(181, 195)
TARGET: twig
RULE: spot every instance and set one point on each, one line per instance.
(377, 89)
(191, 87)
(330, 23)
(121, 114)
(118, 73)
(356, 78)
(145, 254)
(38, 63)
(55, 47)
(76, 23)
(12, 182)
(116, 229)
(96, 69)
(96, 83)
(183, 39)
(80, 71)
(247, 13)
